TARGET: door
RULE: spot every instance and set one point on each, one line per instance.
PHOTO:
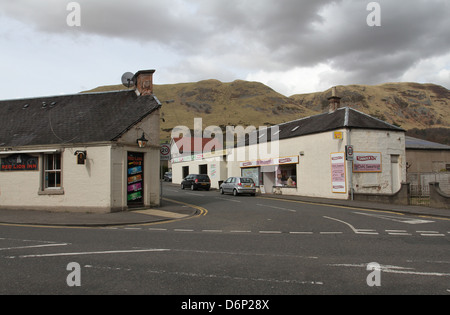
(135, 179)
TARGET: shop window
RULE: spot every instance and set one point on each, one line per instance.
(287, 175)
(52, 171)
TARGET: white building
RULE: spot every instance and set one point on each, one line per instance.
(80, 152)
(307, 156)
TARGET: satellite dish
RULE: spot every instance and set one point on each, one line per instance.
(127, 79)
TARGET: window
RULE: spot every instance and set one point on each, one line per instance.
(288, 175)
(52, 171)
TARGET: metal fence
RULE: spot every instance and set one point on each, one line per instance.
(419, 195)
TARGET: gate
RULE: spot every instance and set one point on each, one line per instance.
(419, 195)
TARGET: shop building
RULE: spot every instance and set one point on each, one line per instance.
(330, 155)
(92, 152)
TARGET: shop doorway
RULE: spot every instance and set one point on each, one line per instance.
(185, 171)
(135, 179)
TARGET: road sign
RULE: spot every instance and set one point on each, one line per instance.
(349, 153)
(165, 152)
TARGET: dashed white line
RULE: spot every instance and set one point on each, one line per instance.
(212, 231)
(183, 230)
(270, 232)
(240, 231)
(302, 233)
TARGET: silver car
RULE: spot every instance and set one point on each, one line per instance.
(238, 185)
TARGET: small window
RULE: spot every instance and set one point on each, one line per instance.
(52, 171)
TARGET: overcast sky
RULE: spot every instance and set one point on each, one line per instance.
(294, 46)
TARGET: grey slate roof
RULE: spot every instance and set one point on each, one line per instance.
(419, 144)
(345, 117)
(78, 118)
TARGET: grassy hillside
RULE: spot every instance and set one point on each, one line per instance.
(409, 105)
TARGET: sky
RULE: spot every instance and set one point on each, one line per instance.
(53, 47)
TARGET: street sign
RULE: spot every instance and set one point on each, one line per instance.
(349, 153)
(165, 152)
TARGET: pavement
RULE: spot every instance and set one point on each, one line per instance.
(172, 210)
(168, 211)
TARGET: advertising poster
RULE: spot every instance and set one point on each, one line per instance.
(338, 177)
(135, 179)
(367, 162)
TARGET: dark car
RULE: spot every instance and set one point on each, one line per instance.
(168, 176)
(195, 181)
(238, 185)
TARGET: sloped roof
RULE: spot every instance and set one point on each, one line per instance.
(78, 118)
(419, 144)
(345, 117)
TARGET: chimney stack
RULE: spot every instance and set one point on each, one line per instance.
(334, 101)
(143, 81)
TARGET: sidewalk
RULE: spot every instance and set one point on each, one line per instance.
(166, 212)
(413, 210)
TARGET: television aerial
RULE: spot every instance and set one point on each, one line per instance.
(127, 79)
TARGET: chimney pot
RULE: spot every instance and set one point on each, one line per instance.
(143, 80)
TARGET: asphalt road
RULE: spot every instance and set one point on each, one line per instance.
(241, 246)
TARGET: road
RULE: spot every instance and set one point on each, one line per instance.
(238, 246)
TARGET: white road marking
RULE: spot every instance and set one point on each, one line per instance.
(227, 199)
(396, 219)
(156, 229)
(212, 231)
(397, 270)
(355, 230)
(324, 233)
(34, 246)
(240, 231)
(278, 208)
(183, 230)
(301, 233)
(97, 253)
(270, 232)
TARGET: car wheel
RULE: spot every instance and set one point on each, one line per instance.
(192, 187)
(221, 191)
(252, 194)
(182, 187)
(235, 193)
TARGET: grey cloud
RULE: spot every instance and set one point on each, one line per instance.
(264, 34)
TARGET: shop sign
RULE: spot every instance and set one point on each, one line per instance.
(338, 177)
(19, 162)
(367, 162)
(274, 161)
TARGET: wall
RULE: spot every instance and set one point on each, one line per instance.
(86, 188)
(314, 168)
(391, 145)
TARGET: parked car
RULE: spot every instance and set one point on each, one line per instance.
(238, 185)
(168, 176)
(196, 181)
